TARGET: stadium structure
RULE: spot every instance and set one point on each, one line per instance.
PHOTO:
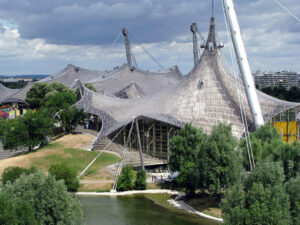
(141, 110)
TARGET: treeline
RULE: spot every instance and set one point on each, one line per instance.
(52, 106)
(14, 85)
(218, 164)
(292, 94)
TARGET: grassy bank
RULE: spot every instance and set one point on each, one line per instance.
(70, 150)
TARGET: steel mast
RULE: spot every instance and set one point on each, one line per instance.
(194, 30)
(127, 47)
(243, 63)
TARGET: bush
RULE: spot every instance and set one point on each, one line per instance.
(140, 181)
(13, 173)
(51, 202)
(125, 180)
(68, 174)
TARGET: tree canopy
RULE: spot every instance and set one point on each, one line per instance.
(43, 195)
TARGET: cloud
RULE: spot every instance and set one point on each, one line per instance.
(44, 36)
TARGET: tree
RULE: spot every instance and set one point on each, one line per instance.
(262, 201)
(265, 142)
(71, 117)
(60, 100)
(184, 150)
(51, 203)
(221, 164)
(293, 190)
(35, 96)
(16, 211)
(67, 174)
(125, 180)
(140, 181)
(40, 92)
(14, 134)
(38, 126)
(13, 173)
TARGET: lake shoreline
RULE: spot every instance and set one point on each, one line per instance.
(176, 204)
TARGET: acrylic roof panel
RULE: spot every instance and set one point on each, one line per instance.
(147, 82)
(6, 92)
(207, 97)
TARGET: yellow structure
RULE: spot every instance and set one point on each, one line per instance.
(287, 125)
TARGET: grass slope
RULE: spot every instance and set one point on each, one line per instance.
(67, 150)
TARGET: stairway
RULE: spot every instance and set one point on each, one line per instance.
(132, 156)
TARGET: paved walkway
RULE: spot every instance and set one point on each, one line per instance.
(182, 205)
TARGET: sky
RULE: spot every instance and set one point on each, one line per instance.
(42, 36)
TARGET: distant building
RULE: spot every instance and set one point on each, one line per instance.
(287, 79)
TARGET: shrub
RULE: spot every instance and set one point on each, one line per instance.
(125, 180)
(68, 174)
(140, 181)
(13, 173)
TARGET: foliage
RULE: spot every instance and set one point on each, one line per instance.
(91, 87)
(51, 203)
(265, 142)
(35, 96)
(16, 211)
(71, 117)
(263, 201)
(292, 95)
(184, 150)
(13, 173)
(220, 162)
(293, 190)
(67, 173)
(13, 134)
(14, 85)
(38, 126)
(140, 181)
(125, 179)
(40, 92)
(60, 100)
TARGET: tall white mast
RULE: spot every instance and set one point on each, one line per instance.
(195, 43)
(243, 63)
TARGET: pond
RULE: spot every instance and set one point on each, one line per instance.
(133, 210)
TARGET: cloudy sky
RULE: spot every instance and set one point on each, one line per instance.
(43, 36)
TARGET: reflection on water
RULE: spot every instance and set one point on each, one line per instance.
(133, 210)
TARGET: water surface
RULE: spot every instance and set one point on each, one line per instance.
(133, 210)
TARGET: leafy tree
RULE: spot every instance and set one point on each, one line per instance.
(263, 201)
(40, 92)
(140, 181)
(38, 126)
(221, 166)
(293, 190)
(125, 180)
(71, 117)
(68, 174)
(35, 96)
(184, 150)
(13, 134)
(16, 211)
(51, 203)
(13, 173)
(60, 100)
(266, 142)
(91, 87)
